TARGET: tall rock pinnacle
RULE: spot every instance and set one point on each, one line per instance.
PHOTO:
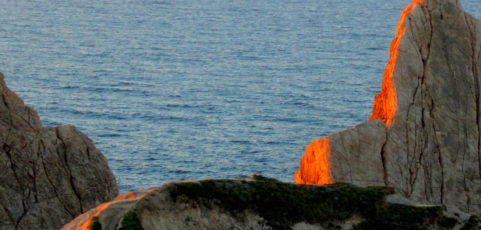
(48, 176)
(424, 135)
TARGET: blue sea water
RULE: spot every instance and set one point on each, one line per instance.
(173, 90)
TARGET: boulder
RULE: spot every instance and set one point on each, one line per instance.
(423, 138)
(48, 176)
(263, 203)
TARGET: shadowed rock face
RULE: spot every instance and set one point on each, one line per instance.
(428, 146)
(48, 176)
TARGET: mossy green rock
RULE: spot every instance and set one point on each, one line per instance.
(284, 204)
(95, 225)
(131, 221)
(263, 203)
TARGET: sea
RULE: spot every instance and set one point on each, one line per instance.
(197, 89)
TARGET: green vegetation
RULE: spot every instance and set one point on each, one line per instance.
(284, 204)
(399, 217)
(95, 224)
(131, 221)
(472, 224)
(447, 222)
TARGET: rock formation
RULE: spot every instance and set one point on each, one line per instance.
(48, 176)
(423, 138)
(263, 203)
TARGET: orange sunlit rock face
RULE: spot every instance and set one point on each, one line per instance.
(315, 165)
(85, 220)
(385, 103)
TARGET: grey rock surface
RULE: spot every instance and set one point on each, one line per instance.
(48, 176)
(429, 149)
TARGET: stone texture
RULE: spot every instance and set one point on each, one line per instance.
(429, 150)
(48, 176)
(263, 203)
(360, 144)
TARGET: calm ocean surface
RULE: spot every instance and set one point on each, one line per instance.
(173, 90)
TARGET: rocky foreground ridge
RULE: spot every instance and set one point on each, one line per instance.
(48, 176)
(423, 140)
(424, 136)
(263, 203)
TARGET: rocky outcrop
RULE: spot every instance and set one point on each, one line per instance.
(262, 203)
(48, 176)
(423, 138)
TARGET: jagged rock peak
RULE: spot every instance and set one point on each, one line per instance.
(423, 137)
(48, 175)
